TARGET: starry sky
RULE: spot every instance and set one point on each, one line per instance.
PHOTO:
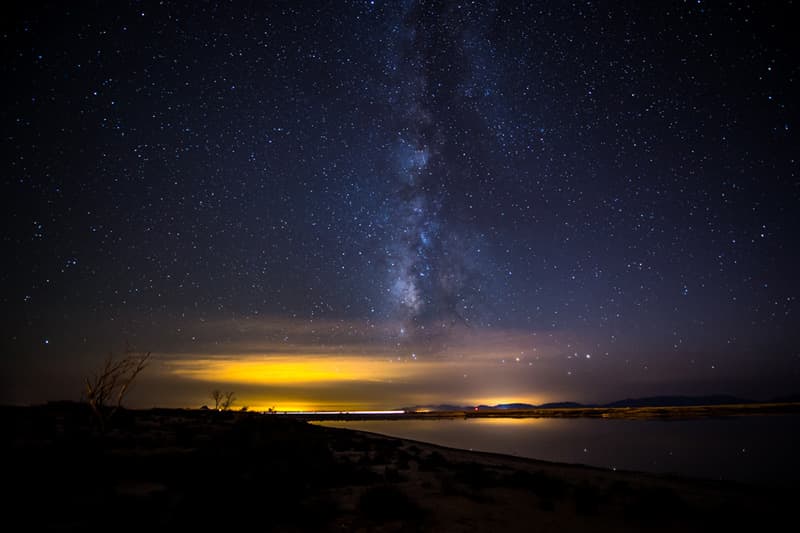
(379, 204)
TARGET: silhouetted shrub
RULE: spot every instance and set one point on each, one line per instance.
(316, 512)
(538, 482)
(364, 459)
(359, 444)
(402, 460)
(381, 457)
(391, 475)
(656, 504)
(586, 500)
(620, 488)
(547, 504)
(474, 475)
(432, 461)
(386, 502)
(351, 475)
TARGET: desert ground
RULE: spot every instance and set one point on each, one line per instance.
(205, 470)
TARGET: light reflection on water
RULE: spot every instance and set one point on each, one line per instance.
(755, 449)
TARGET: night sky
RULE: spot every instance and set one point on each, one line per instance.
(381, 204)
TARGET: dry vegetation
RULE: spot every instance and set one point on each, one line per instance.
(106, 389)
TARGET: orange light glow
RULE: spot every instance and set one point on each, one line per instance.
(500, 400)
(508, 422)
(282, 370)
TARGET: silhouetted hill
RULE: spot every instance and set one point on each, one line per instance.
(563, 405)
(678, 401)
(649, 401)
(792, 398)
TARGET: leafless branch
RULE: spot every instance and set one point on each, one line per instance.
(217, 395)
(228, 401)
(112, 382)
(222, 400)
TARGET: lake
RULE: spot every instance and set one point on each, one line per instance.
(760, 449)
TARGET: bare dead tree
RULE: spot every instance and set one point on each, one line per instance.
(227, 402)
(217, 396)
(107, 388)
(222, 400)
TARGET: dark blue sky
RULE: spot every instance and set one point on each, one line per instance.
(377, 181)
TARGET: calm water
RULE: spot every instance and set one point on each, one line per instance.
(761, 449)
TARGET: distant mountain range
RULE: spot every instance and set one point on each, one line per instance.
(650, 401)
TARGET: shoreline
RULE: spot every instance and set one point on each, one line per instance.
(691, 497)
(200, 469)
(770, 484)
(633, 413)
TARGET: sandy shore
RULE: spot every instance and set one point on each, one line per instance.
(168, 469)
(476, 491)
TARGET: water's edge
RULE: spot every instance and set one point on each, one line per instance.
(748, 449)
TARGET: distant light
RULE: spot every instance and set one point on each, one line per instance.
(47, 341)
(397, 412)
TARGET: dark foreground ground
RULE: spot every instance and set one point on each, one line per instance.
(203, 470)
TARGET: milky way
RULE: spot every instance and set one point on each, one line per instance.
(577, 201)
(434, 274)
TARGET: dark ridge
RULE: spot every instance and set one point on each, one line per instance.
(514, 406)
(792, 398)
(679, 401)
(649, 401)
(563, 405)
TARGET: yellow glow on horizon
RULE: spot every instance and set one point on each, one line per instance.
(510, 421)
(331, 381)
(504, 400)
(282, 370)
(281, 406)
